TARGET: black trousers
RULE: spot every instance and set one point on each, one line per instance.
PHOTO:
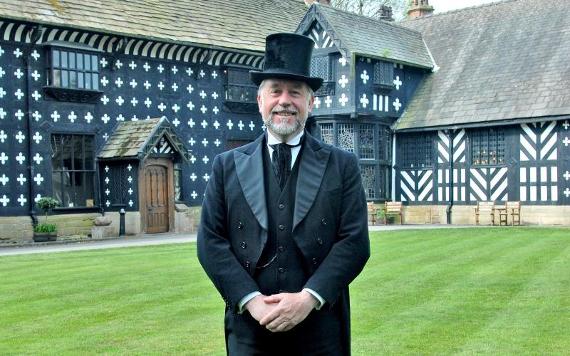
(318, 334)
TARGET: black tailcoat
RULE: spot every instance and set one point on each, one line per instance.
(329, 227)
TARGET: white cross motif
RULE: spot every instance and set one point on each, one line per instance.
(174, 69)
(38, 179)
(190, 88)
(133, 83)
(174, 87)
(2, 72)
(19, 114)
(119, 82)
(36, 95)
(206, 177)
(135, 118)
(120, 118)
(566, 141)
(35, 55)
(317, 102)
(193, 195)
(193, 177)
(204, 124)
(342, 61)
(215, 110)
(216, 124)
(36, 115)
(2, 92)
(3, 136)
(21, 179)
(4, 200)
(205, 160)
(130, 191)
(132, 65)
(134, 101)
(107, 191)
(104, 99)
(1, 51)
(118, 64)
(105, 118)
(203, 94)
(161, 106)
(148, 102)
(191, 141)
(22, 200)
(72, 116)
(18, 73)
(175, 108)
(18, 53)
(160, 68)
(129, 167)
(251, 125)
(37, 137)
(328, 101)
(130, 179)
(189, 71)
(3, 114)
(191, 123)
(203, 109)
(397, 104)
(160, 85)
(119, 100)
(190, 105)
(38, 159)
(55, 116)
(364, 100)
(146, 67)
(566, 175)
(107, 180)
(364, 76)
(88, 117)
(38, 197)
(343, 81)
(131, 203)
(240, 125)
(343, 99)
(176, 122)
(3, 158)
(104, 81)
(103, 62)
(217, 142)
(202, 74)
(20, 137)
(107, 169)
(205, 142)
(567, 192)
(214, 74)
(106, 136)
(566, 124)
(147, 85)
(230, 124)
(20, 158)
(4, 180)
(36, 75)
(215, 95)
(397, 82)
(19, 94)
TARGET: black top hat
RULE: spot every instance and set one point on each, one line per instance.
(287, 56)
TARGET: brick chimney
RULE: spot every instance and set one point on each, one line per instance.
(420, 8)
(385, 13)
(326, 2)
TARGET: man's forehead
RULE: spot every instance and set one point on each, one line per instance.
(285, 82)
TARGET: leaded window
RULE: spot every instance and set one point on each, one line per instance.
(383, 74)
(73, 69)
(239, 87)
(73, 169)
(327, 133)
(368, 174)
(118, 185)
(177, 182)
(487, 147)
(346, 137)
(323, 67)
(366, 141)
(416, 150)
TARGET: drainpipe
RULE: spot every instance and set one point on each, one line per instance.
(30, 166)
(450, 199)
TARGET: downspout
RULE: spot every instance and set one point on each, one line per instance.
(394, 166)
(30, 167)
(449, 208)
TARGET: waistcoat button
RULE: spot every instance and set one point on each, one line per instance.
(243, 244)
(314, 261)
(319, 241)
(281, 227)
(281, 206)
(323, 221)
(247, 263)
(281, 248)
(240, 225)
(281, 270)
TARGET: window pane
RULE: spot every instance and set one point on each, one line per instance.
(77, 152)
(366, 136)
(87, 62)
(64, 63)
(368, 174)
(57, 190)
(89, 153)
(87, 81)
(73, 79)
(64, 78)
(346, 137)
(56, 78)
(94, 64)
(57, 152)
(327, 133)
(79, 61)
(71, 60)
(95, 81)
(55, 58)
(80, 80)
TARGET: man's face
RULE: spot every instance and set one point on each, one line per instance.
(284, 106)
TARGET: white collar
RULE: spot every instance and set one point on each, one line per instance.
(293, 141)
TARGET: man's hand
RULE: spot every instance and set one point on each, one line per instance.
(289, 309)
(258, 308)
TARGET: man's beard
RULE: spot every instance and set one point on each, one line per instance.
(284, 128)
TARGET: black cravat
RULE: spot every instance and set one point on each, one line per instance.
(281, 162)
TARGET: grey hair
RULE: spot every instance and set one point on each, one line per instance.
(306, 86)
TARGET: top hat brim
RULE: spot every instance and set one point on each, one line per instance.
(257, 77)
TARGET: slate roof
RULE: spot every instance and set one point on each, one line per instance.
(355, 34)
(242, 24)
(135, 139)
(498, 63)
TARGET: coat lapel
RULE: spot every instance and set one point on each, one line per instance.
(249, 169)
(311, 171)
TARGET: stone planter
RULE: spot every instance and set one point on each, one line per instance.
(45, 236)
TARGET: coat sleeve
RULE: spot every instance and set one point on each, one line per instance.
(214, 248)
(351, 248)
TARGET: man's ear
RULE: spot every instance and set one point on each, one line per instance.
(259, 104)
(311, 103)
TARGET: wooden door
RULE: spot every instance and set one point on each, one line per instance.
(156, 197)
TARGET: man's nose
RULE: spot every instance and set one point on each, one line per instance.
(285, 98)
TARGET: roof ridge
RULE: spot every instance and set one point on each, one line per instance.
(494, 3)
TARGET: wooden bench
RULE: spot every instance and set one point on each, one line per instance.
(512, 208)
(392, 208)
(372, 213)
(485, 207)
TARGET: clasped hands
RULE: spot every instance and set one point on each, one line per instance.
(283, 311)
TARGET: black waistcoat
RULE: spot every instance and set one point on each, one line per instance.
(283, 271)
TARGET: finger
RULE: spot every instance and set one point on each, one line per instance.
(269, 317)
(275, 298)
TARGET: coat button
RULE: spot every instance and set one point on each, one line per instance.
(246, 264)
(281, 227)
(319, 241)
(243, 244)
(281, 206)
(323, 221)
(281, 248)
(314, 261)
(240, 225)
(281, 270)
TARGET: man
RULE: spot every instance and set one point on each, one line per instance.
(284, 223)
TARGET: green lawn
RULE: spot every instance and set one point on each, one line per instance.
(447, 291)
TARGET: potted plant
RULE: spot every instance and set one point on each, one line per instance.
(45, 231)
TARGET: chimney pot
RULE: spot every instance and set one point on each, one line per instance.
(420, 8)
